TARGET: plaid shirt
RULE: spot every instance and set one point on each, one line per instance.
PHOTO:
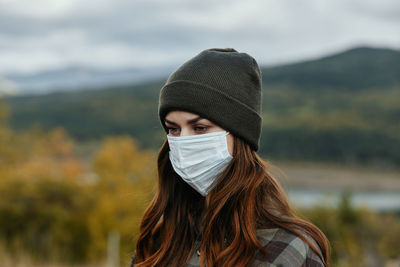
(283, 249)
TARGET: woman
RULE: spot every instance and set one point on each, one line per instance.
(216, 203)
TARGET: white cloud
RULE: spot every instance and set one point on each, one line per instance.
(39, 8)
(41, 34)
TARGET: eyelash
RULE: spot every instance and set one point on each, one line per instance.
(171, 129)
(200, 128)
(196, 128)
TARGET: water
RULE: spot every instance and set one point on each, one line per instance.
(376, 200)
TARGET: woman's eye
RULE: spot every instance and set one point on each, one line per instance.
(173, 130)
(200, 128)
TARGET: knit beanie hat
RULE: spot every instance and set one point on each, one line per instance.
(221, 85)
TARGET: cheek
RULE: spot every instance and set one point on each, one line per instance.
(229, 139)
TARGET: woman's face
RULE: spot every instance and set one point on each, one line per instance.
(183, 123)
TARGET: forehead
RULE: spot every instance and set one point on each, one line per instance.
(180, 115)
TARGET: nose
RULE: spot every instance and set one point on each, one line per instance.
(185, 131)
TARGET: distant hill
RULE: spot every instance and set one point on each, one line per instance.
(92, 114)
(75, 78)
(356, 69)
(343, 107)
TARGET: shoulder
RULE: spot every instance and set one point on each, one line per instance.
(285, 248)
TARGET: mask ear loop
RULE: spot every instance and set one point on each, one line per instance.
(227, 133)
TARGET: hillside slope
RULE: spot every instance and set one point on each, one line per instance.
(355, 69)
(343, 108)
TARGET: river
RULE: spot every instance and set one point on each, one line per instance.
(375, 200)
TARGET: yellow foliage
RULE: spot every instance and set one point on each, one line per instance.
(44, 183)
(125, 186)
(357, 235)
(120, 159)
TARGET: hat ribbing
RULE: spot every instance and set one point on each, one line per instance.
(221, 85)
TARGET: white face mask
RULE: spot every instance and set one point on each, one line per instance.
(199, 159)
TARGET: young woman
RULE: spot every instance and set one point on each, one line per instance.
(216, 203)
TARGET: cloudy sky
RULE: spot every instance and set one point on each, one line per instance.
(37, 35)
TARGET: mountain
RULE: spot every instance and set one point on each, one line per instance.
(342, 107)
(79, 78)
(354, 69)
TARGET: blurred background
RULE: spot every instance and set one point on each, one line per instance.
(79, 133)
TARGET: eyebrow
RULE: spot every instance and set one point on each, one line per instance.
(189, 121)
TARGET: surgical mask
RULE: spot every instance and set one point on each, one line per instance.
(199, 159)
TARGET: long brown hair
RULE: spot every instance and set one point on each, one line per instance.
(245, 198)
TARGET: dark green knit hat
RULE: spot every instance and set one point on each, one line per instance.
(221, 85)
